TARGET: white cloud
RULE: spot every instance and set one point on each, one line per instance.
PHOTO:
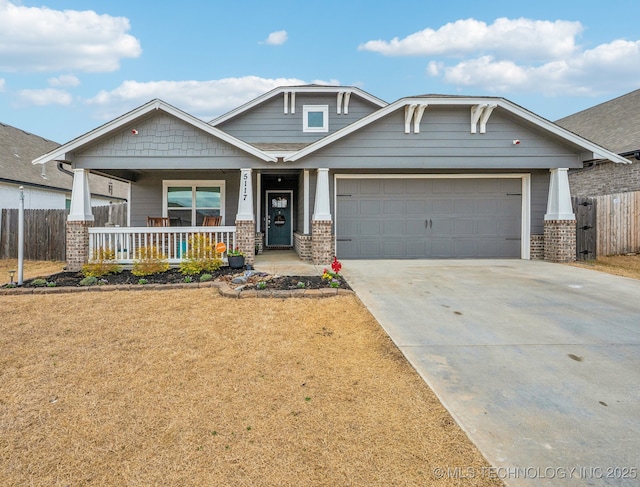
(48, 96)
(42, 39)
(608, 67)
(2, 82)
(277, 38)
(531, 39)
(67, 80)
(204, 99)
(519, 55)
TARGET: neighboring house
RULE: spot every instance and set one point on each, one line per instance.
(47, 186)
(336, 171)
(615, 125)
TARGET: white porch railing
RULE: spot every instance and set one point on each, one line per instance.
(171, 241)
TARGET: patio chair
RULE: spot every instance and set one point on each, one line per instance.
(212, 221)
(157, 221)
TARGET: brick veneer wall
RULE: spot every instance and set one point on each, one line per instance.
(537, 247)
(302, 246)
(560, 240)
(246, 239)
(77, 245)
(322, 244)
(605, 178)
(259, 246)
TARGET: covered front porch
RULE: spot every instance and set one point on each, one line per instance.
(264, 200)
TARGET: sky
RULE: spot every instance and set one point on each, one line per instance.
(69, 66)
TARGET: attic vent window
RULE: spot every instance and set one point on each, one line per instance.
(315, 118)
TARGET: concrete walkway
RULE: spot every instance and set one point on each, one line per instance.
(538, 362)
(285, 263)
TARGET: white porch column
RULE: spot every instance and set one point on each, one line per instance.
(322, 240)
(322, 207)
(559, 201)
(245, 196)
(305, 183)
(80, 210)
(245, 218)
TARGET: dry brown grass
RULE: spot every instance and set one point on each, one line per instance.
(620, 265)
(31, 269)
(190, 388)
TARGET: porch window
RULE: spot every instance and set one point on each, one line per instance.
(315, 118)
(186, 203)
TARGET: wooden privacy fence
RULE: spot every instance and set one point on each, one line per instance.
(45, 231)
(607, 225)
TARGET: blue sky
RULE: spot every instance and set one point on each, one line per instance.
(69, 66)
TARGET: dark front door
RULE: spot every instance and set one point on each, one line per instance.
(279, 224)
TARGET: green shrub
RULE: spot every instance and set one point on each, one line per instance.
(200, 256)
(89, 281)
(39, 282)
(205, 277)
(149, 261)
(104, 263)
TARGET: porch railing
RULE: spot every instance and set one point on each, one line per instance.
(171, 241)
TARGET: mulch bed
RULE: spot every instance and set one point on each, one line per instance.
(173, 276)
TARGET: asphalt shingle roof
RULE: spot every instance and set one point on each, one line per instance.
(615, 124)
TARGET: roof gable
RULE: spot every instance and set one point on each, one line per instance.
(415, 108)
(142, 113)
(287, 92)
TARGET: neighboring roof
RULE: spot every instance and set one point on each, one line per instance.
(434, 100)
(136, 114)
(297, 89)
(614, 124)
(18, 148)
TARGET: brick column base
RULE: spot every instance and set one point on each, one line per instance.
(322, 242)
(537, 247)
(246, 239)
(560, 240)
(77, 252)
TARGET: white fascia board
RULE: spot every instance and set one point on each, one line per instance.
(296, 89)
(132, 116)
(598, 152)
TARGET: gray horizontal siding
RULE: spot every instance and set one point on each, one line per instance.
(268, 123)
(445, 141)
(146, 193)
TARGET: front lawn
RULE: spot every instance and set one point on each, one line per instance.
(185, 387)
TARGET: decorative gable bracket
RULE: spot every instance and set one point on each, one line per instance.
(343, 102)
(289, 102)
(481, 113)
(413, 113)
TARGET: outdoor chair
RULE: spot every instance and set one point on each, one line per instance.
(212, 221)
(157, 221)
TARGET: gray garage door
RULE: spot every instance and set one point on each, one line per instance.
(428, 218)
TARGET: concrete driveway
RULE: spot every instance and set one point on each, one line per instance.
(538, 362)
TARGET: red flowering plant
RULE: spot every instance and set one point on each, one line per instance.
(333, 276)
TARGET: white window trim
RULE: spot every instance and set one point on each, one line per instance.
(193, 183)
(315, 108)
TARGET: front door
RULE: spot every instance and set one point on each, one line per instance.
(279, 213)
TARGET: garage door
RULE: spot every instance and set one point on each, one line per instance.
(428, 218)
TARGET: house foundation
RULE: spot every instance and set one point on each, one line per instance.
(560, 240)
(77, 244)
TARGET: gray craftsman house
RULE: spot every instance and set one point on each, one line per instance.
(333, 170)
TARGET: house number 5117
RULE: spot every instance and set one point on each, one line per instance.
(245, 179)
